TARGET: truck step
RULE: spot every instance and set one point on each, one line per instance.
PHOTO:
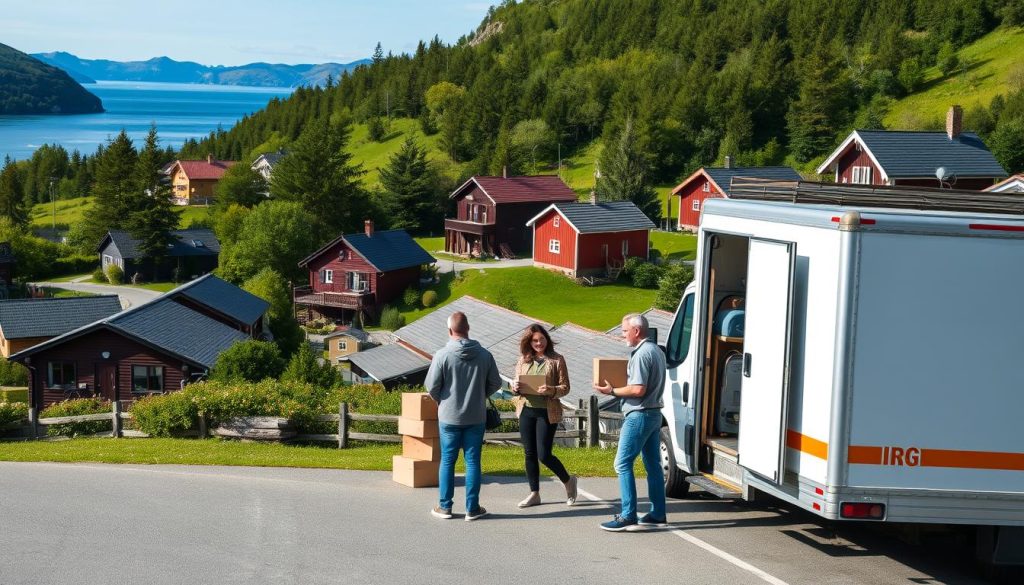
(715, 487)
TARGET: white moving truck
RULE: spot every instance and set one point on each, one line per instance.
(874, 374)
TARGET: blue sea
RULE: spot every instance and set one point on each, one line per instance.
(180, 111)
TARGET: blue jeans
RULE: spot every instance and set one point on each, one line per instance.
(468, 438)
(640, 435)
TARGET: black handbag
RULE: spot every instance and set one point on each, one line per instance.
(493, 416)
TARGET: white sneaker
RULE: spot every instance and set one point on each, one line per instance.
(571, 490)
(532, 500)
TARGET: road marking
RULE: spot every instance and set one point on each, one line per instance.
(706, 546)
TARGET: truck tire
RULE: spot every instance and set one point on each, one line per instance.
(675, 480)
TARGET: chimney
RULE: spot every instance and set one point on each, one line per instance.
(504, 172)
(209, 159)
(593, 197)
(954, 122)
(368, 228)
(728, 161)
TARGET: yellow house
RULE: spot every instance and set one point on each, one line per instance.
(193, 181)
(343, 343)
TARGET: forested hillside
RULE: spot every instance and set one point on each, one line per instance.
(766, 81)
(29, 86)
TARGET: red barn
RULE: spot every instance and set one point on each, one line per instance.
(714, 183)
(584, 239)
(884, 157)
(359, 273)
(490, 213)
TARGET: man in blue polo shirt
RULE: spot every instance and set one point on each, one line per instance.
(641, 427)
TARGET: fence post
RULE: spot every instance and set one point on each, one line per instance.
(33, 422)
(593, 427)
(202, 426)
(579, 424)
(343, 425)
(116, 419)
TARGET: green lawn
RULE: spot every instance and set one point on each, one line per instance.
(992, 61)
(497, 460)
(87, 275)
(61, 293)
(71, 211)
(675, 246)
(543, 294)
(374, 155)
(431, 244)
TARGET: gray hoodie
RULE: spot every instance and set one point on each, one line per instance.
(461, 377)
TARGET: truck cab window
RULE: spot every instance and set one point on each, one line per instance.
(679, 338)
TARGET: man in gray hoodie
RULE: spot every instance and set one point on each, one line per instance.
(461, 377)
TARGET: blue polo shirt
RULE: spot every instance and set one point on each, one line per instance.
(646, 367)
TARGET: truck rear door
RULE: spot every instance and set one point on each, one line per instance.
(766, 357)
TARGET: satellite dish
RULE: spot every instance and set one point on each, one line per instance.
(941, 173)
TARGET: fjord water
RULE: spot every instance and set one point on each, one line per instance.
(180, 111)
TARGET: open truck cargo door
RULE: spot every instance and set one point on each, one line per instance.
(766, 357)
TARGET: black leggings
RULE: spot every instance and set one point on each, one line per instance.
(538, 435)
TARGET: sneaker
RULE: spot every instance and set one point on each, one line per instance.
(650, 520)
(480, 512)
(570, 490)
(618, 524)
(532, 500)
(442, 513)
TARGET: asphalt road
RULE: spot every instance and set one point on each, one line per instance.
(129, 296)
(104, 524)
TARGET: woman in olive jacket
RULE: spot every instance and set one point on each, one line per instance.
(539, 416)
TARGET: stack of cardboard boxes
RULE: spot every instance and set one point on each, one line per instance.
(421, 447)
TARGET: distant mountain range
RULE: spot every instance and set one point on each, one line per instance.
(165, 69)
(28, 86)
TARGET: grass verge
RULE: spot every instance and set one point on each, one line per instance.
(497, 459)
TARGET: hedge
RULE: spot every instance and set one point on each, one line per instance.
(76, 407)
(11, 412)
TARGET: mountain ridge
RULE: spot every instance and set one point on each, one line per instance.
(30, 86)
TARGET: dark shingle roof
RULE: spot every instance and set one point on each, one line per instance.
(656, 319)
(918, 154)
(542, 188)
(488, 324)
(388, 362)
(223, 297)
(384, 250)
(52, 317)
(613, 216)
(353, 332)
(723, 177)
(191, 242)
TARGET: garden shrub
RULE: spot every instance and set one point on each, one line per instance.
(391, 319)
(671, 286)
(631, 265)
(76, 407)
(646, 275)
(12, 373)
(410, 297)
(73, 264)
(249, 360)
(164, 415)
(12, 412)
(304, 367)
(114, 274)
(429, 299)
(99, 276)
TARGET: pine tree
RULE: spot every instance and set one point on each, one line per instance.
(624, 174)
(12, 200)
(411, 195)
(115, 188)
(240, 185)
(152, 215)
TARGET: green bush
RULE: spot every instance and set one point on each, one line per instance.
(12, 412)
(77, 407)
(12, 373)
(429, 299)
(249, 361)
(671, 286)
(114, 274)
(304, 367)
(410, 297)
(13, 395)
(646, 275)
(631, 265)
(391, 319)
(74, 264)
(99, 276)
(164, 415)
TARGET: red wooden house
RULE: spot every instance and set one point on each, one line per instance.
(714, 183)
(359, 273)
(883, 157)
(491, 212)
(586, 239)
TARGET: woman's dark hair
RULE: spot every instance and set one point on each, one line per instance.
(525, 344)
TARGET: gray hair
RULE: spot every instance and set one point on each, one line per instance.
(637, 320)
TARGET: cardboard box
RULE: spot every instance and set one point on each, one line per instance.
(424, 429)
(528, 384)
(414, 473)
(421, 449)
(418, 406)
(611, 369)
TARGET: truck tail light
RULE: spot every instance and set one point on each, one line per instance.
(862, 510)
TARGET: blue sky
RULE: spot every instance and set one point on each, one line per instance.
(234, 32)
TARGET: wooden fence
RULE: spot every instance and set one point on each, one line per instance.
(586, 431)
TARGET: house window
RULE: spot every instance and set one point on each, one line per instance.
(358, 281)
(60, 374)
(147, 379)
(554, 246)
(557, 221)
(707, 187)
(860, 175)
(343, 255)
(342, 345)
(696, 205)
(328, 277)
(625, 248)
(107, 260)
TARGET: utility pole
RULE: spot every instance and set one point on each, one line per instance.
(53, 204)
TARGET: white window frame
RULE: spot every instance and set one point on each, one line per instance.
(328, 276)
(695, 206)
(625, 248)
(342, 345)
(358, 282)
(107, 260)
(861, 175)
(707, 187)
(554, 246)
(557, 221)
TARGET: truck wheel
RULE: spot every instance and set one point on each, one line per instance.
(675, 481)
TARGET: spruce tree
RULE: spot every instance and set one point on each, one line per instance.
(240, 185)
(151, 215)
(115, 188)
(625, 173)
(411, 196)
(12, 201)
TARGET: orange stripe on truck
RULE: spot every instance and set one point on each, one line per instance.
(805, 444)
(917, 457)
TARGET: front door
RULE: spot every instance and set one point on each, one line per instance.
(106, 381)
(766, 357)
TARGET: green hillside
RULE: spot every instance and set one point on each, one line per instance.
(71, 211)
(29, 86)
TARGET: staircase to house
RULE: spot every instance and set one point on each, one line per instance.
(506, 251)
(614, 268)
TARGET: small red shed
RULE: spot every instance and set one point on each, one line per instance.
(714, 183)
(585, 239)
